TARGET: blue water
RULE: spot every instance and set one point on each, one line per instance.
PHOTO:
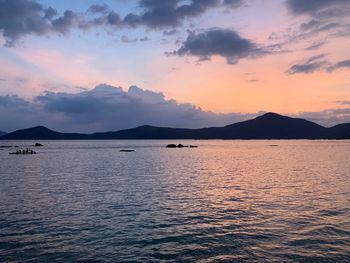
(226, 201)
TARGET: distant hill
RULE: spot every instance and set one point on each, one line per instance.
(341, 131)
(274, 126)
(267, 126)
(147, 132)
(41, 133)
(2, 133)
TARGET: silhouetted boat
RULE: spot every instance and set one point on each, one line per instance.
(127, 151)
(23, 152)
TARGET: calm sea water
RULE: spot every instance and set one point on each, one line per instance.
(226, 201)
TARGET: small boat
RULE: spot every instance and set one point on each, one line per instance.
(23, 152)
(127, 151)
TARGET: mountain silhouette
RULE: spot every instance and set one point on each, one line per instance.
(2, 133)
(340, 131)
(41, 133)
(267, 126)
(274, 126)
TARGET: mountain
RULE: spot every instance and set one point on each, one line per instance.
(147, 132)
(274, 126)
(340, 131)
(267, 126)
(2, 133)
(41, 133)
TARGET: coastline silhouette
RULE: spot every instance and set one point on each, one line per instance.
(267, 126)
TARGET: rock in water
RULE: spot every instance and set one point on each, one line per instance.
(180, 146)
(171, 146)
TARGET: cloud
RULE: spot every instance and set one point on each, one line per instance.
(66, 22)
(221, 42)
(106, 108)
(127, 40)
(327, 118)
(321, 21)
(317, 63)
(316, 45)
(344, 102)
(311, 65)
(23, 17)
(340, 65)
(315, 6)
(98, 8)
(234, 3)
(20, 18)
(170, 32)
(16, 112)
(161, 14)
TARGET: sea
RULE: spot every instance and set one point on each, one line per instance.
(225, 201)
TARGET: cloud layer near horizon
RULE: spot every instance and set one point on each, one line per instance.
(106, 108)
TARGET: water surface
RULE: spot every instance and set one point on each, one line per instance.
(226, 201)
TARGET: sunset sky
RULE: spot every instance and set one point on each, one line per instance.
(68, 65)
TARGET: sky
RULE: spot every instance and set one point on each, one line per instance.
(86, 66)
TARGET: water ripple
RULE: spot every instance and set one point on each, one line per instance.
(238, 201)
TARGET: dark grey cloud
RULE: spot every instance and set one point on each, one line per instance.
(50, 13)
(222, 42)
(23, 17)
(317, 63)
(66, 22)
(162, 14)
(311, 65)
(106, 108)
(20, 18)
(234, 3)
(318, 30)
(315, 6)
(98, 8)
(171, 13)
(340, 65)
(16, 112)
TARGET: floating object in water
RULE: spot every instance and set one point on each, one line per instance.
(24, 152)
(38, 145)
(273, 145)
(181, 146)
(127, 151)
